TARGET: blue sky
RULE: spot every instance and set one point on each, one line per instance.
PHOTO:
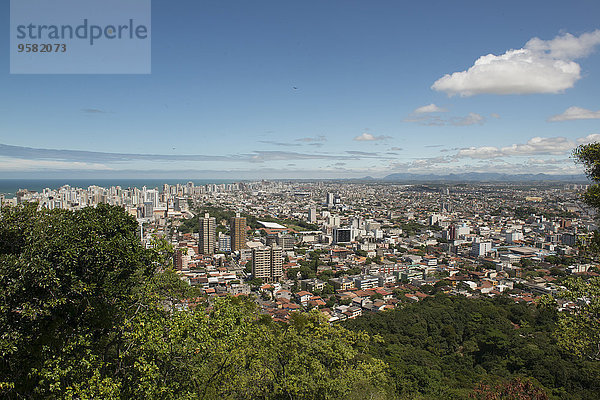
(282, 89)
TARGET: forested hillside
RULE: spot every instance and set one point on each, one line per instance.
(444, 346)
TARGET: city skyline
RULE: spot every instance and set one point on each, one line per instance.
(312, 90)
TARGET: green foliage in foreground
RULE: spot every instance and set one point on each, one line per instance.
(444, 346)
(67, 283)
(579, 330)
(86, 313)
(588, 155)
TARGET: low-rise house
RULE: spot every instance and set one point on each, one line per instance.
(303, 297)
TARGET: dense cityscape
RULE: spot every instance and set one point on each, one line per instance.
(351, 248)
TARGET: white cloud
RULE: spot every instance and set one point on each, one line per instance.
(594, 137)
(470, 119)
(367, 137)
(539, 145)
(435, 120)
(536, 145)
(567, 46)
(539, 67)
(428, 162)
(484, 152)
(529, 166)
(548, 161)
(573, 113)
(430, 108)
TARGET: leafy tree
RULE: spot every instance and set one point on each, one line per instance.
(68, 279)
(349, 271)
(255, 282)
(525, 262)
(579, 330)
(328, 289)
(326, 275)
(292, 273)
(588, 155)
(361, 253)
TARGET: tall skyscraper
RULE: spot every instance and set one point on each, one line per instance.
(267, 263)
(207, 230)
(238, 232)
(276, 263)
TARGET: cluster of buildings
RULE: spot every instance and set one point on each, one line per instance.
(348, 248)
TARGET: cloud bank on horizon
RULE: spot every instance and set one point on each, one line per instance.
(523, 154)
(534, 146)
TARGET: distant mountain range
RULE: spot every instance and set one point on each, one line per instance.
(481, 177)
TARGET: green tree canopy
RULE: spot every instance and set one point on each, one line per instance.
(579, 329)
(67, 280)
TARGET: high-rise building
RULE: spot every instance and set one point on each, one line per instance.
(148, 209)
(312, 215)
(267, 263)
(330, 199)
(180, 259)
(451, 232)
(152, 195)
(238, 232)
(179, 203)
(480, 249)
(224, 243)
(261, 262)
(207, 230)
(276, 263)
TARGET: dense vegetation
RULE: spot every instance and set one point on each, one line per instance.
(443, 346)
(87, 312)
